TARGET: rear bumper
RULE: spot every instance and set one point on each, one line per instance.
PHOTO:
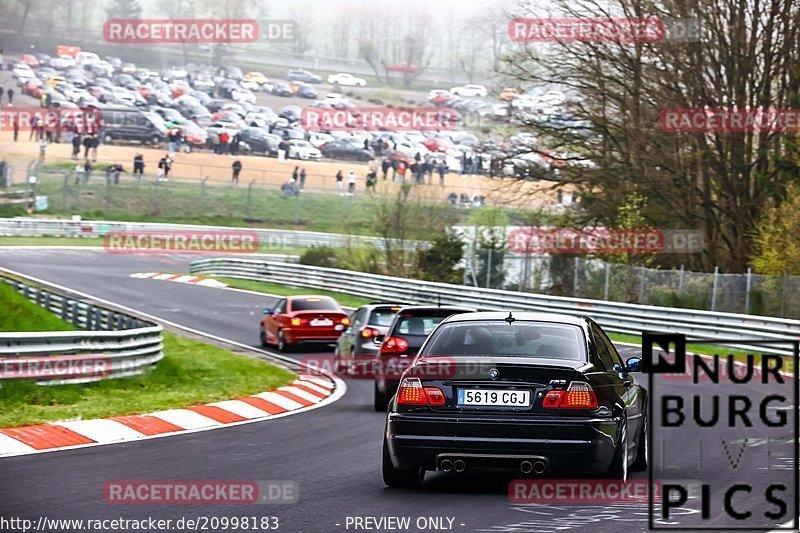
(584, 445)
(311, 335)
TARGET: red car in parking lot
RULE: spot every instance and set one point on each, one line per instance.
(302, 320)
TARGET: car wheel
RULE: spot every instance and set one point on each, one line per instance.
(640, 464)
(262, 335)
(108, 139)
(283, 346)
(619, 466)
(154, 140)
(397, 478)
(381, 401)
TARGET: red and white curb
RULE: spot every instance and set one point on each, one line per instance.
(305, 393)
(180, 278)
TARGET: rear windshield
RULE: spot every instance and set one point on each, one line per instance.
(382, 316)
(314, 304)
(498, 338)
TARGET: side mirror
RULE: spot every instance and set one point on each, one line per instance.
(267, 311)
(634, 364)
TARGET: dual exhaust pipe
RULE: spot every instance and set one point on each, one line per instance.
(448, 465)
(537, 466)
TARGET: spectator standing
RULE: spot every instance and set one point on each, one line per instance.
(442, 171)
(339, 183)
(138, 165)
(15, 125)
(385, 166)
(295, 175)
(215, 142)
(34, 128)
(372, 179)
(235, 144)
(303, 179)
(351, 183)
(174, 140)
(76, 146)
(10, 94)
(237, 168)
(223, 142)
(283, 146)
(401, 169)
(87, 145)
(95, 142)
(164, 166)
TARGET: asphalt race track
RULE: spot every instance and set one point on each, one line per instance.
(333, 453)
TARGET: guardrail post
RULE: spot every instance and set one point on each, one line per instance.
(714, 289)
(47, 301)
(747, 291)
(76, 318)
(608, 278)
(642, 275)
(681, 279)
(576, 278)
(489, 269)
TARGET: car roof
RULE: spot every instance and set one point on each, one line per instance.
(306, 296)
(435, 308)
(519, 315)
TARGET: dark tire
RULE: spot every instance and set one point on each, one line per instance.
(640, 464)
(283, 346)
(397, 478)
(619, 466)
(381, 402)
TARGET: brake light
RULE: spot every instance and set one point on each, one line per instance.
(346, 321)
(296, 321)
(579, 395)
(368, 333)
(411, 392)
(394, 345)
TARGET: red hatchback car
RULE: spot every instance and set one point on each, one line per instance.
(302, 320)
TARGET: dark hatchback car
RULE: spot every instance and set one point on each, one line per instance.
(407, 333)
(539, 393)
(303, 75)
(259, 141)
(345, 149)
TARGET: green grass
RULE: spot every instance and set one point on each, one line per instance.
(346, 300)
(19, 314)
(190, 373)
(220, 206)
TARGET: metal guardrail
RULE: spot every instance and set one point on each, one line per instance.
(109, 344)
(617, 317)
(270, 239)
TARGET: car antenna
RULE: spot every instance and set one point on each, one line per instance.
(510, 319)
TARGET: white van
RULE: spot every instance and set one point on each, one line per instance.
(87, 58)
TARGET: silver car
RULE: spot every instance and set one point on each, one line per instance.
(361, 341)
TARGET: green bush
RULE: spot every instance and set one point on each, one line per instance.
(321, 256)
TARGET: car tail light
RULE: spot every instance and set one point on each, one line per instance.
(368, 333)
(346, 321)
(435, 396)
(394, 345)
(296, 321)
(411, 392)
(579, 395)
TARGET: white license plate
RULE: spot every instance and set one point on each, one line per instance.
(494, 397)
(321, 322)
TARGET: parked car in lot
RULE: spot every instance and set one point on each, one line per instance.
(304, 90)
(280, 88)
(405, 336)
(131, 124)
(345, 149)
(471, 89)
(301, 320)
(360, 342)
(300, 149)
(524, 391)
(347, 80)
(259, 141)
(303, 75)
